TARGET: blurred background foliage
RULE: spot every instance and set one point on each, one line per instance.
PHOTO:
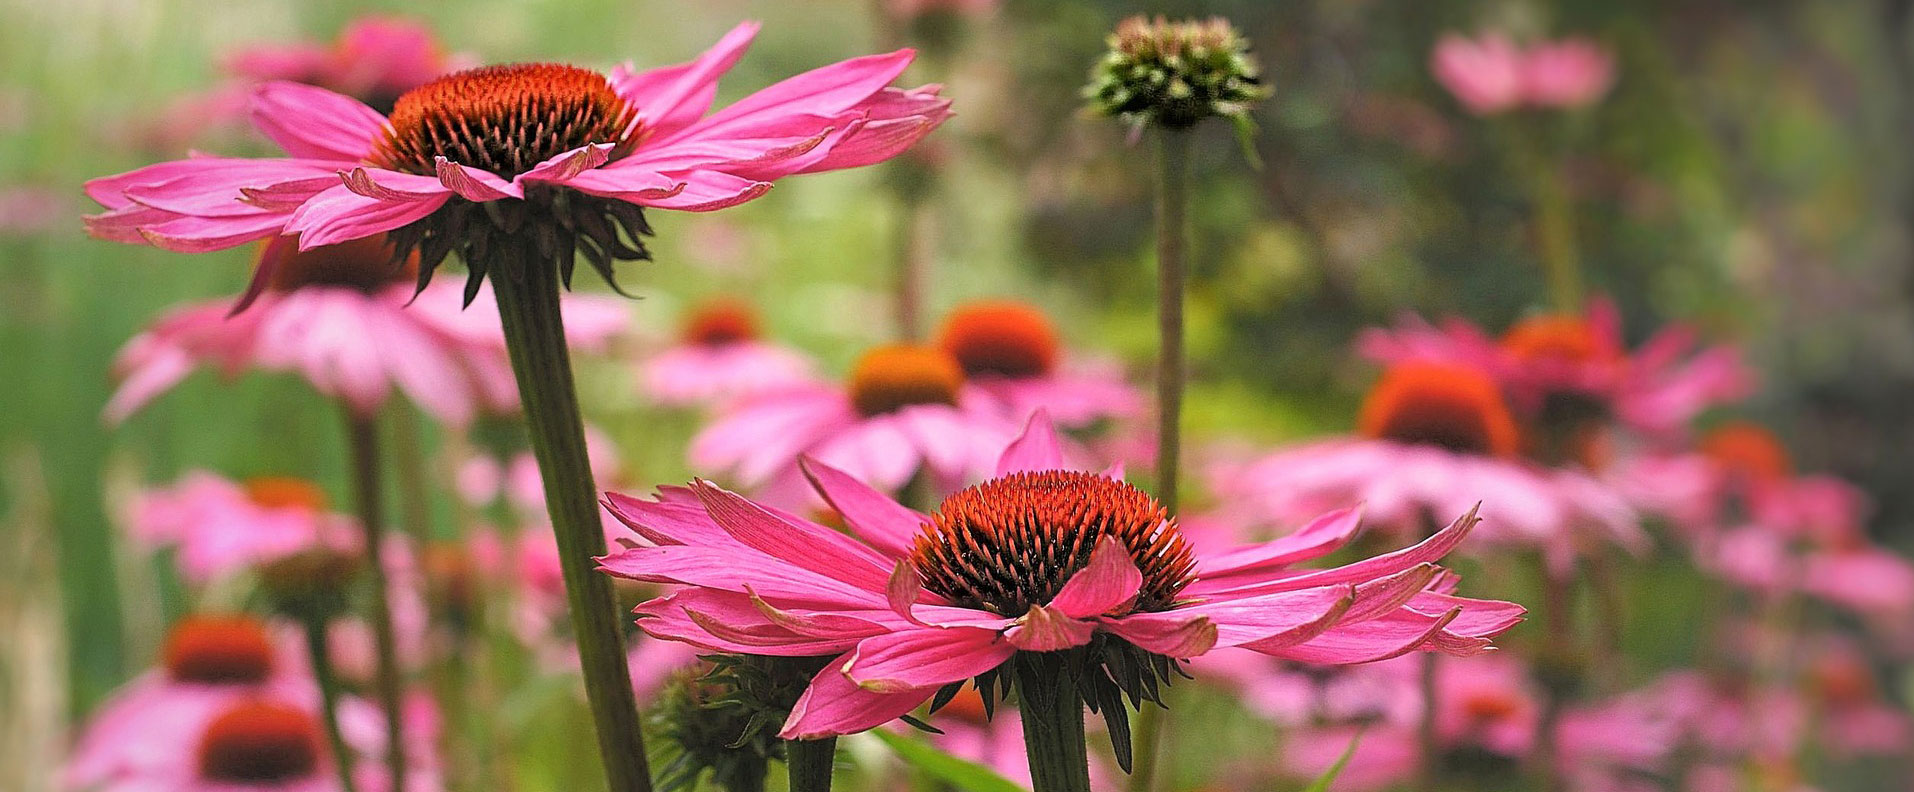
(1750, 174)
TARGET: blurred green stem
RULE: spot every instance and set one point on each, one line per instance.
(319, 653)
(1172, 232)
(535, 336)
(1555, 234)
(363, 436)
(1560, 670)
(1052, 724)
(910, 263)
(809, 764)
(408, 457)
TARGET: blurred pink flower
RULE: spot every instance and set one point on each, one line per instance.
(722, 357)
(911, 9)
(893, 594)
(1010, 351)
(1570, 72)
(173, 729)
(349, 321)
(1485, 74)
(27, 209)
(1490, 74)
(217, 527)
(352, 172)
(905, 410)
(1435, 439)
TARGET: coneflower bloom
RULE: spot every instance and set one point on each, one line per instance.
(1010, 351)
(164, 731)
(1080, 565)
(489, 161)
(353, 325)
(722, 355)
(905, 411)
(1491, 74)
(1433, 438)
(217, 527)
(1570, 368)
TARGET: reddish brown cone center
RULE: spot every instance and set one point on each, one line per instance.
(505, 119)
(1455, 407)
(1488, 707)
(1001, 338)
(1748, 452)
(889, 378)
(218, 650)
(1012, 542)
(259, 741)
(285, 492)
(1569, 339)
(368, 264)
(721, 322)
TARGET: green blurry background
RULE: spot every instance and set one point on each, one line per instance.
(1750, 173)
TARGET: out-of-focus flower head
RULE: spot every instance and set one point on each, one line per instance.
(1175, 74)
(1010, 351)
(1434, 437)
(721, 356)
(217, 527)
(905, 411)
(374, 60)
(350, 321)
(1490, 74)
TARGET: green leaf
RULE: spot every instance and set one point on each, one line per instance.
(1321, 784)
(960, 773)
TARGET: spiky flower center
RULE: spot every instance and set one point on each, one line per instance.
(368, 264)
(890, 378)
(259, 742)
(505, 119)
(1176, 74)
(1747, 452)
(1454, 407)
(1012, 542)
(721, 323)
(285, 492)
(1000, 338)
(218, 650)
(1563, 339)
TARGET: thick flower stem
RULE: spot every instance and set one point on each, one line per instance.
(535, 337)
(320, 655)
(1052, 724)
(363, 436)
(809, 764)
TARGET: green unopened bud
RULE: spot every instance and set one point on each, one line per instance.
(1175, 74)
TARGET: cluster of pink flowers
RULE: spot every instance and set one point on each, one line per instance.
(1492, 74)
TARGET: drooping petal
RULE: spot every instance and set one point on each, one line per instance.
(309, 121)
(1180, 636)
(1106, 583)
(835, 705)
(926, 658)
(1045, 629)
(341, 215)
(473, 184)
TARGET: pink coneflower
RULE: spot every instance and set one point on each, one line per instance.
(469, 160)
(348, 321)
(1491, 74)
(722, 356)
(1485, 74)
(217, 526)
(1077, 560)
(1010, 351)
(904, 412)
(1555, 367)
(1432, 438)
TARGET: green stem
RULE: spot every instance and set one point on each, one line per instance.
(1172, 230)
(1052, 724)
(321, 657)
(1429, 753)
(363, 436)
(809, 764)
(1555, 232)
(1560, 671)
(535, 337)
(910, 265)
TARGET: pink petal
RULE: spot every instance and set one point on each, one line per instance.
(823, 91)
(1370, 641)
(473, 184)
(1036, 449)
(834, 705)
(701, 191)
(1318, 538)
(308, 121)
(341, 215)
(913, 659)
(1107, 583)
(1180, 638)
(733, 570)
(881, 522)
(567, 166)
(671, 98)
(807, 546)
(386, 185)
(205, 234)
(1044, 629)
(668, 523)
